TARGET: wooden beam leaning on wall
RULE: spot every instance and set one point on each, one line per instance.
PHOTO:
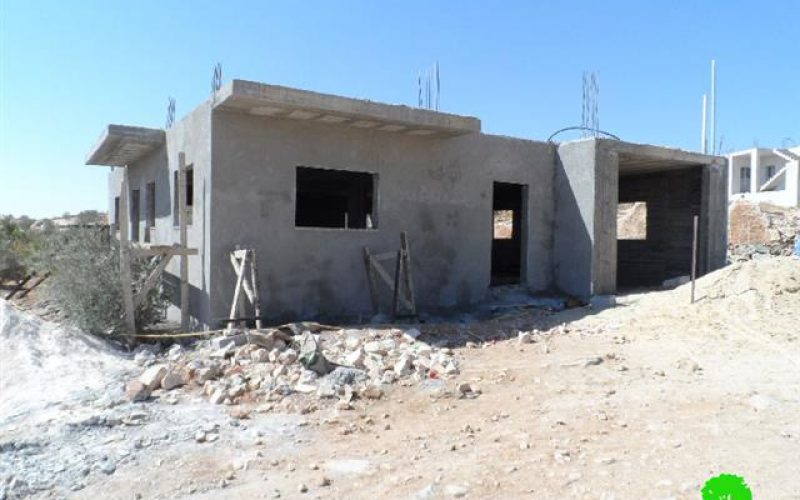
(125, 255)
(183, 216)
(401, 287)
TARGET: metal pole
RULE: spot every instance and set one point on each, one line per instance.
(713, 107)
(704, 132)
(694, 253)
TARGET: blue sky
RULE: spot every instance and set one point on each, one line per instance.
(69, 68)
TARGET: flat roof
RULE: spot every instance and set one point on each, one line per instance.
(643, 158)
(262, 99)
(121, 145)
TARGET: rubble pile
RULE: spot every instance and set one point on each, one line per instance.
(762, 230)
(271, 367)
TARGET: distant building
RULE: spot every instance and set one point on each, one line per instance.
(762, 174)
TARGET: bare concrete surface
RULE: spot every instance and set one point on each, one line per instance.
(647, 399)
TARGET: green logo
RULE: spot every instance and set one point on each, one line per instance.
(726, 487)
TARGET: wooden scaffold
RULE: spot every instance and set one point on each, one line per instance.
(240, 260)
(127, 252)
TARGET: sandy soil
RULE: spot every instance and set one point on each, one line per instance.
(647, 399)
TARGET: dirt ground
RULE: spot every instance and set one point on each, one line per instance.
(647, 399)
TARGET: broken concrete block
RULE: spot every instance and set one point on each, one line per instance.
(151, 378)
(352, 342)
(136, 390)
(373, 347)
(260, 356)
(355, 358)
(218, 397)
(403, 366)
(175, 377)
(287, 357)
(224, 341)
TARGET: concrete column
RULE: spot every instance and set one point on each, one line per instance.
(755, 170)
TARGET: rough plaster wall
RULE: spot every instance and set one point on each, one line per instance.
(606, 196)
(439, 190)
(574, 217)
(715, 223)
(191, 136)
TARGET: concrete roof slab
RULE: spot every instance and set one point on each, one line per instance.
(274, 100)
(121, 145)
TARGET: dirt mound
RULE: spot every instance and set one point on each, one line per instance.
(45, 364)
(765, 277)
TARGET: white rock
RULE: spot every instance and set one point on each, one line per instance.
(151, 377)
(355, 358)
(135, 390)
(403, 366)
(218, 397)
(287, 357)
(224, 341)
(175, 377)
(144, 357)
(411, 335)
(259, 356)
(175, 352)
(375, 347)
(525, 337)
(352, 342)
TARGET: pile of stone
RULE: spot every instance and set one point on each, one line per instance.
(270, 366)
(762, 230)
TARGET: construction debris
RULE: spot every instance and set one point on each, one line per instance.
(269, 366)
(762, 230)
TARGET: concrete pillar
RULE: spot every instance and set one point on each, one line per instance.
(755, 170)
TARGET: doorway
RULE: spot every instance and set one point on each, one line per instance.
(508, 233)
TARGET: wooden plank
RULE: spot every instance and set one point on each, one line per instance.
(182, 215)
(162, 250)
(254, 278)
(240, 266)
(20, 284)
(236, 293)
(398, 282)
(405, 248)
(34, 285)
(125, 255)
(382, 274)
(373, 286)
(151, 280)
(384, 255)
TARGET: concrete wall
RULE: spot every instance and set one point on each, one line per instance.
(191, 136)
(585, 251)
(439, 190)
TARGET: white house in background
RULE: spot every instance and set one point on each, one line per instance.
(762, 174)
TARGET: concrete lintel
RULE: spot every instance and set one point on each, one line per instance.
(277, 101)
(121, 145)
(629, 151)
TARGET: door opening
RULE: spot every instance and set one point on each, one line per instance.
(508, 233)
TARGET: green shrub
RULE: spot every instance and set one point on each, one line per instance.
(85, 280)
(16, 244)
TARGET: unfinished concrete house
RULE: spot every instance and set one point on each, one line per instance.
(308, 180)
